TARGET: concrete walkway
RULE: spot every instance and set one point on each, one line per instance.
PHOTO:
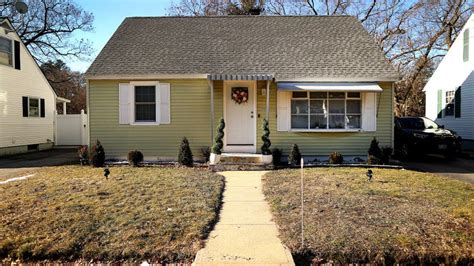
(245, 233)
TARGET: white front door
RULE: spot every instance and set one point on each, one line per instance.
(240, 116)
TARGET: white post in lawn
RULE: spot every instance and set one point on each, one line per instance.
(302, 201)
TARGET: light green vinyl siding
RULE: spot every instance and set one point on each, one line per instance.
(190, 117)
(189, 103)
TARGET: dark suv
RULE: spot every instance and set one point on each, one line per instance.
(420, 135)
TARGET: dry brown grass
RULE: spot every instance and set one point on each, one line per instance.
(401, 216)
(69, 213)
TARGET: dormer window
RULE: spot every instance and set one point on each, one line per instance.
(6, 52)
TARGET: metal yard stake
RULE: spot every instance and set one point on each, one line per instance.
(302, 201)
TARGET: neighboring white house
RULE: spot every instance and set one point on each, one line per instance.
(450, 91)
(27, 101)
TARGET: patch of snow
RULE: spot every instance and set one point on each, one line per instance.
(16, 179)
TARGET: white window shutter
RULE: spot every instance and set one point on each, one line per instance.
(369, 111)
(124, 103)
(165, 117)
(283, 110)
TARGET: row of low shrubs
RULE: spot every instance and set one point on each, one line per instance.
(376, 155)
(96, 156)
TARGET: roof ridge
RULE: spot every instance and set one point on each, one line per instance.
(239, 16)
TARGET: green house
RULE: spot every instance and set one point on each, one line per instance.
(322, 82)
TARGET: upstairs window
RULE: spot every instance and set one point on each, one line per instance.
(6, 52)
(465, 52)
(449, 104)
(325, 110)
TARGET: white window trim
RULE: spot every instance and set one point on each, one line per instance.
(133, 84)
(12, 52)
(39, 107)
(330, 130)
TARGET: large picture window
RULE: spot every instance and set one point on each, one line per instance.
(6, 54)
(145, 103)
(325, 110)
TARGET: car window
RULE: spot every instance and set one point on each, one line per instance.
(429, 124)
(412, 123)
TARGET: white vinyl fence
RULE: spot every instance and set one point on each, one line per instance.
(71, 130)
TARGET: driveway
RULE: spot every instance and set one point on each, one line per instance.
(20, 164)
(460, 168)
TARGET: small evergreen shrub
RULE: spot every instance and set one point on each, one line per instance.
(386, 154)
(266, 139)
(373, 160)
(276, 154)
(294, 158)
(336, 158)
(97, 155)
(374, 149)
(206, 153)
(218, 140)
(83, 153)
(135, 157)
(185, 156)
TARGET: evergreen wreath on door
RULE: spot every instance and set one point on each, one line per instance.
(240, 94)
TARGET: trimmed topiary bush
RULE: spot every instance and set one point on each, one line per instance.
(374, 149)
(206, 153)
(294, 157)
(266, 139)
(97, 155)
(83, 153)
(336, 158)
(135, 157)
(276, 154)
(185, 156)
(218, 140)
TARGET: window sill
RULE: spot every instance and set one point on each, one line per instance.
(145, 124)
(327, 130)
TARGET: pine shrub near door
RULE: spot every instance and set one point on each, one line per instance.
(185, 156)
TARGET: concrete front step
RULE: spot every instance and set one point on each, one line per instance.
(240, 158)
(240, 167)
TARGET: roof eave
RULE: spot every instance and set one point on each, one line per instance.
(340, 79)
(146, 76)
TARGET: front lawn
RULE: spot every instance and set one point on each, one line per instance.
(70, 213)
(401, 216)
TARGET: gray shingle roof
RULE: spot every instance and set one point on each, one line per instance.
(289, 47)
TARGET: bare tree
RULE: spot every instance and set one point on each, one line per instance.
(414, 35)
(47, 28)
(67, 84)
